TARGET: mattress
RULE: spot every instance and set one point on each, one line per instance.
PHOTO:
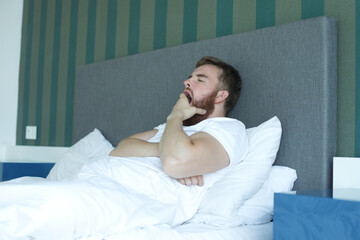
(196, 232)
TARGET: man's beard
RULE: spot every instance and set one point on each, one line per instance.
(208, 103)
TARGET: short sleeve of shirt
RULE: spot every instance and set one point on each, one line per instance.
(231, 134)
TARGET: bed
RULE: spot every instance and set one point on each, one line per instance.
(289, 75)
(289, 71)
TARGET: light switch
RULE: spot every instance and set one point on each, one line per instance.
(30, 133)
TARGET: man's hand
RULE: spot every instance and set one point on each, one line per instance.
(184, 110)
(195, 180)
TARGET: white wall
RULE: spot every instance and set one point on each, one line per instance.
(10, 42)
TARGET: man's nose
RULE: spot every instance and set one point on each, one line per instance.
(187, 82)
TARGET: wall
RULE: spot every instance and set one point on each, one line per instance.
(59, 35)
(10, 40)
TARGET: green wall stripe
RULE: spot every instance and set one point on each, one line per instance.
(25, 106)
(100, 31)
(90, 37)
(174, 23)
(224, 17)
(122, 28)
(206, 19)
(71, 72)
(357, 83)
(55, 73)
(40, 71)
(244, 16)
(82, 33)
(61, 88)
(190, 20)
(34, 67)
(287, 11)
(28, 69)
(265, 13)
(134, 27)
(146, 26)
(111, 29)
(312, 8)
(345, 11)
(62, 82)
(160, 24)
(45, 113)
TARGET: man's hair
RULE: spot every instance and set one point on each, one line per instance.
(229, 80)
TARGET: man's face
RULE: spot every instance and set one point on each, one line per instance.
(201, 89)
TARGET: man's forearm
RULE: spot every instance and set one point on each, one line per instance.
(133, 147)
(176, 148)
(174, 145)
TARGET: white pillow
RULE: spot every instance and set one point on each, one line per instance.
(224, 199)
(259, 208)
(90, 148)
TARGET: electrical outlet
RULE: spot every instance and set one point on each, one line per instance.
(30, 133)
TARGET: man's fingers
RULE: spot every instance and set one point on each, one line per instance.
(189, 181)
(200, 180)
(194, 180)
(181, 180)
(200, 111)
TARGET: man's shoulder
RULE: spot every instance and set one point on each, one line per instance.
(224, 122)
(223, 126)
(218, 123)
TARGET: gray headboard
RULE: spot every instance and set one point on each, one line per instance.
(288, 70)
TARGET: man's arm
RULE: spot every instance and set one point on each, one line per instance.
(137, 146)
(183, 156)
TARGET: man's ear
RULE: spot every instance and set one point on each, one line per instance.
(221, 96)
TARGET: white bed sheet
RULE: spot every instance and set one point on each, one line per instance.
(104, 198)
(186, 231)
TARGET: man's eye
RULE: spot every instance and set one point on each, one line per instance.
(200, 80)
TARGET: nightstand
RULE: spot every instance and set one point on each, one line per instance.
(19, 161)
(11, 170)
(329, 214)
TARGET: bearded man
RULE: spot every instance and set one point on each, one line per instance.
(197, 138)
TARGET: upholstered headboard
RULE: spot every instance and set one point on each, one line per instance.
(288, 70)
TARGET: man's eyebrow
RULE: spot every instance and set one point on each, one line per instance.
(199, 75)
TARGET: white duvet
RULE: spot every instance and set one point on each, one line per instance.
(111, 195)
(88, 195)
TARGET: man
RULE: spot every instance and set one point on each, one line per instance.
(151, 178)
(211, 91)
